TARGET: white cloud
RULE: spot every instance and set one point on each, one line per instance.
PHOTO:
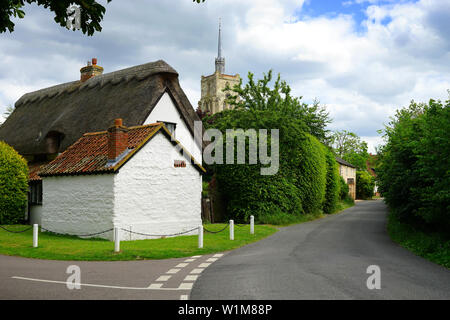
(362, 76)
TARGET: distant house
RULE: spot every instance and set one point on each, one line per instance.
(46, 122)
(138, 179)
(348, 172)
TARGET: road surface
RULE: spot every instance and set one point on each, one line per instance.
(325, 259)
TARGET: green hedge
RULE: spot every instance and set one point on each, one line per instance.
(343, 188)
(298, 187)
(365, 185)
(413, 170)
(13, 185)
(332, 191)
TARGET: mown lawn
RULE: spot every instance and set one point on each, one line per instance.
(58, 247)
(434, 247)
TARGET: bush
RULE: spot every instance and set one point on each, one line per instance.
(297, 188)
(13, 185)
(343, 188)
(413, 170)
(332, 192)
(365, 185)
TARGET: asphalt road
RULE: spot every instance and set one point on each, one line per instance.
(171, 279)
(325, 259)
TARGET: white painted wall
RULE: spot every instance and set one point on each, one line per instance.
(148, 194)
(165, 110)
(152, 196)
(78, 204)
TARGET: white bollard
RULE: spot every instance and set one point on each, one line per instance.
(200, 237)
(35, 235)
(231, 230)
(116, 240)
(252, 225)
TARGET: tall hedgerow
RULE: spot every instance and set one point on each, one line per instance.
(413, 170)
(13, 185)
(332, 191)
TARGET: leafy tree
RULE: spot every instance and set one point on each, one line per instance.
(344, 188)
(13, 185)
(350, 147)
(258, 95)
(299, 185)
(91, 12)
(413, 169)
(365, 185)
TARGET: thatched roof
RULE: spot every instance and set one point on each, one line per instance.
(75, 108)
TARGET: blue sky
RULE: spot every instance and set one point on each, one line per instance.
(362, 59)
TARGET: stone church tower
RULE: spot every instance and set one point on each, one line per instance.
(212, 96)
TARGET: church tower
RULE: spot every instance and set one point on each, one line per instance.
(212, 96)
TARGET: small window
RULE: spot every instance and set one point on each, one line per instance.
(36, 193)
(171, 126)
(350, 181)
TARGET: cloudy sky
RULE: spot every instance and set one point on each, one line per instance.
(363, 59)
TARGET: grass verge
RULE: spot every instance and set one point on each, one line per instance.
(58, 247)
(434, 247)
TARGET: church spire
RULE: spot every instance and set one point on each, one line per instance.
(220, 61)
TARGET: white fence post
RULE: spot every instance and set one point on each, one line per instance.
(200, 237)
(231, 230)
(116, 240)
(35, 235)
(252, 225)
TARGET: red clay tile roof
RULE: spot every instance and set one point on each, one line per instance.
(89, 154)
(33, 169)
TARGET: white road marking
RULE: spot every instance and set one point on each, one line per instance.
(186, 286)
(204, 265)
(191, 278)
(212, 259)
(195, 256)
(181, 265)
(163, 278)
(184, 297)
(189, 260)
(173, 271)
(155, 286)
(97, 285)
(218, 255)
(196, 271)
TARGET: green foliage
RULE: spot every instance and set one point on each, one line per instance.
(299, 186)
(257, 95)
(413, 169)
(13, 185)
(343, 188)
(91, 13)
(365, 185)
(332, 192)
(433, 246)
(349, 146)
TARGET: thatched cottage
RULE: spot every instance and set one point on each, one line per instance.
(46, 122)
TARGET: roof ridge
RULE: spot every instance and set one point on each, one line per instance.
(140, 72)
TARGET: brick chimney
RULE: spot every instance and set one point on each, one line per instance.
(117, 140)
(91, 70)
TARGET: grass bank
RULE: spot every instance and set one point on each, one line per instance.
(58, 247)
(434, 247)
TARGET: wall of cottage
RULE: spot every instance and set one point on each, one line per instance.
(346, 173)
(165, 110)
(76, 205)
(152, 196)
